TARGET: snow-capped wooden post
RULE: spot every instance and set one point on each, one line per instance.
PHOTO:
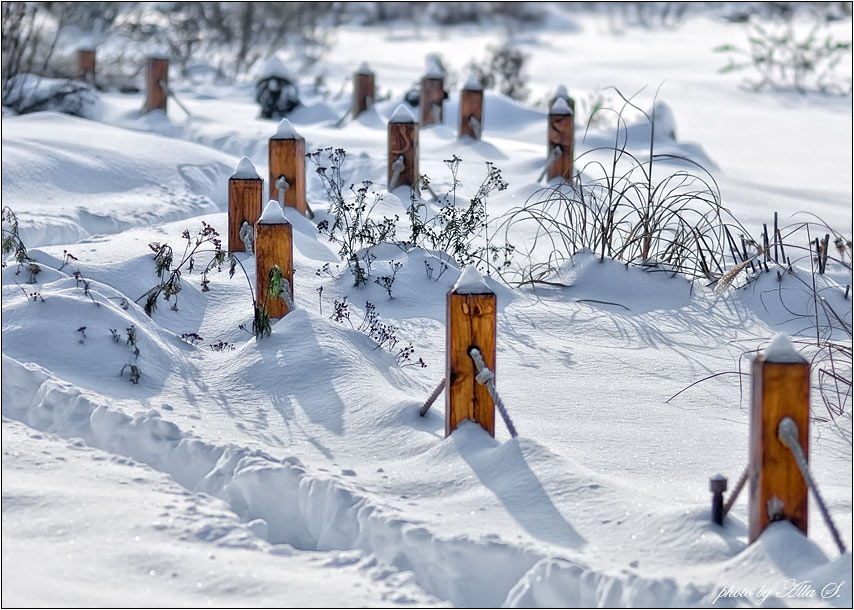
(402, 148)
(780, 389)
(432, 93)
(245, 197)
(156, 72)
(562, 93)
(561, 140)
(287, 167)
(86, 66)
(273, 247)
(363, 90)
(471, 109)
(471, 322)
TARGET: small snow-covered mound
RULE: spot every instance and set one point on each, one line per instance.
(68, 178)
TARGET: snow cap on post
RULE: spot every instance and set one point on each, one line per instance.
(560, 107)
(364, 69)
(473, 84)
(286, 131)
(245, 170)
(471, 282)
(273, 214)
(274, 67)
(781, 351)
(402, 114)
(434, 68)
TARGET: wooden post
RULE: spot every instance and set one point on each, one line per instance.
(245, 195)
(402, 142)
(717, 485)
(780, 388)
(432, 99)
(86, 66)
(287, 158)
(471, 321)
(156, 70)
(471, 109)
(561, 134)
(363, 90)
(273, 246)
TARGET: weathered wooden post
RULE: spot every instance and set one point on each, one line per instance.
(562, 93)
(363, 90)
(273, 247)
(245, 196)
(287, 167)
(471, 109)
(402, 148)
(86, 66)
(432, 94)
(780, 389)
(156, 79)
(471, 322)
(561, 140)
(717, 485)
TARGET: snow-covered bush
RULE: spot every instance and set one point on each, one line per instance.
(276, 90)
(503, 68)
(30, 93)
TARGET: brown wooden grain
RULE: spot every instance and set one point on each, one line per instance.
(561, 133)
(778, 390)
(86, 66)
(363, 89)
(244, 204)
(157, 69)
(470, 322)
(471, 105)
(287, 158)
(273, 246)
(432, 91)
(403, 140)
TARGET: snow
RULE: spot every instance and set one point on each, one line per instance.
(434, 68)
(364, 69)
(781, 351)
(245, 170)
(560, 107)
(286, 131)
(402, 114)
(295, 467)
(471, 282)
(473, 84)
(274, 67)
(273, 214)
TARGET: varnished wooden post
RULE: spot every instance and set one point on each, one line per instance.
(363, 90)
(287, 158)
(273, 246)
(86, 66)
(561, 134)
(780, 388)
(245, 195)
(432, 99)
(471, 322)
(402, 148)
(471, 109)
(156, 70)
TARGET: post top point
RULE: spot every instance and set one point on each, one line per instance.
(245, 170)
(402, 114)
(781, 351)
(473, 84)
(286, 131)
(471, 282)
(273, 214)
(560, 106)
(364, 69)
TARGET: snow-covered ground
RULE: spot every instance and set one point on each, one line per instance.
(294, 470)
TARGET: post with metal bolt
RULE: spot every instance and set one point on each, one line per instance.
(471, 322)
(86, 66)
(273, 247)
(287, 167)
(156, 76)
(561, 140)
(717, 485)
(402, 148)
(363, 90)
(471, 109)
(780, 389)
(245, 195)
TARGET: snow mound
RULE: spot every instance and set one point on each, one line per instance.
(402, 114)
(286, 131)
(69, 178)
(473, 84)
(560, 107)
(274, 67)
(245, 170)
(471, 282)
(782, 351)
(273, 214)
